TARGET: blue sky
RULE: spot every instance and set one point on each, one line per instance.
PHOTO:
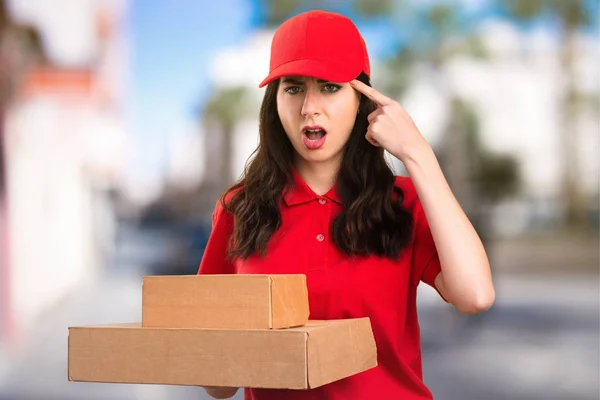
(172, 46)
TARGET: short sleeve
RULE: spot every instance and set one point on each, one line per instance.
(426, 262)
(214, 259)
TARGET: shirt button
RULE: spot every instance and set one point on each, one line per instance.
(320, 237)
(322, 201)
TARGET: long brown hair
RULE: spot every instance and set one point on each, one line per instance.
(371, 221)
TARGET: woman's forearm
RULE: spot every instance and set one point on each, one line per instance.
(466, 279)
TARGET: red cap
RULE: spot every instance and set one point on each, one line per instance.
(319, 44)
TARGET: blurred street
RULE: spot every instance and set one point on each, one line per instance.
(540, 341)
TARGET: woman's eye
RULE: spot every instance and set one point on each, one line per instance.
(293, 89)
(330, 87)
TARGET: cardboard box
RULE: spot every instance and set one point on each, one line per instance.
(296, 358)
(225, 301)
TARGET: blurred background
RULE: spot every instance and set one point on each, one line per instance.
(121, 122)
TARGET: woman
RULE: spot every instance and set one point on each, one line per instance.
(319, 199)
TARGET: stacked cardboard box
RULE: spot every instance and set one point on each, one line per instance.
(223, 330)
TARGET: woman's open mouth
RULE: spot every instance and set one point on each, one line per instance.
(314, 137)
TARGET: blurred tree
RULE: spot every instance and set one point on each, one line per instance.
(479, 178)
(495, 176)
(277, 11)
(373, 8)
(570, 15)
(219, 116)
(223, 110)
(437, 37)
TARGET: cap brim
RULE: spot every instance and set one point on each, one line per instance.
(328, 70)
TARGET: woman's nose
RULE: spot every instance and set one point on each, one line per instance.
(311, 105)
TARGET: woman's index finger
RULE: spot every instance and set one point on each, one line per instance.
(371, 93)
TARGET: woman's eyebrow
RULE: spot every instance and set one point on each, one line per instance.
(293, 81)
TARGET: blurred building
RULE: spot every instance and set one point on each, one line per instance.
(518, 92)
(66, 140)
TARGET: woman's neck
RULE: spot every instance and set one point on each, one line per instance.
(319, 176)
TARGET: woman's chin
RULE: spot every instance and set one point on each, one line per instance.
(316, 156)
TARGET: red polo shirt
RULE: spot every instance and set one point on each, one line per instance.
(374, 287)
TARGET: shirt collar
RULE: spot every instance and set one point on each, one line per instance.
(299, 192)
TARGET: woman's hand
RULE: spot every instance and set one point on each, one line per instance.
(390, 126)
(220, 392)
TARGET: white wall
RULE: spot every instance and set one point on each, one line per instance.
(48, 205)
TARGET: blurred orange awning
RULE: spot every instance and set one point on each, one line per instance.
(68, 82)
